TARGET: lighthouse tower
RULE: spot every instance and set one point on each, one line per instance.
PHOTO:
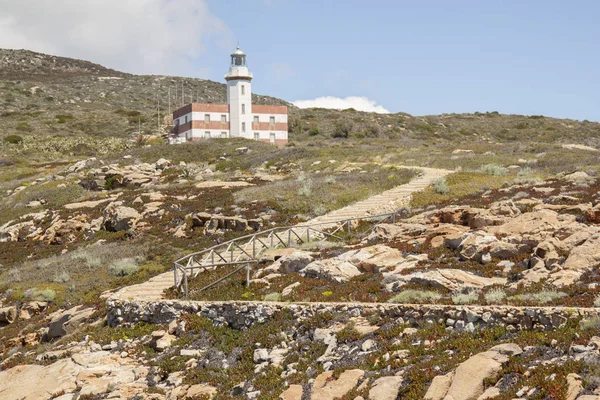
(239, 96)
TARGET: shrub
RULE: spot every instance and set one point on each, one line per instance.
(62, 118)
(590, 324)
(495, 296)
(543, 297)
(465, 298)
(91, 260)
(41, 295)
(441, 186)
(342, 129)
(415, 296)
(23, 126)
(273, 297)
(62, 277)
(494, 169)
(13, 139)
(123, 267)
(314, 131)
(14, 275)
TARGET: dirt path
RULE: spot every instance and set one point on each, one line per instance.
(385, 202)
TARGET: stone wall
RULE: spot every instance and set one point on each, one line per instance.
(244, 314)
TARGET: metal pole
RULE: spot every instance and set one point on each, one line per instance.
(247, 275)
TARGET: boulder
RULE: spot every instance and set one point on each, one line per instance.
(120, 218)
(585, 256)
(294, 392)
(8, 315)
(537, 224)
(469, 378)
(439, 387)
(386, 388)
(37, 381)
(325, 387)
(63, 322)
(332, 269)
(293, 262)
(372, 258)
(197, 391)
(574, 386)
(451, 279)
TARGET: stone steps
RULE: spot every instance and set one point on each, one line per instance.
(382, 203)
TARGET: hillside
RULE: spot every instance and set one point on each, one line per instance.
(66, 107)
(481, 283)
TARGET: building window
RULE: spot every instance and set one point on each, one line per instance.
(243, 127)
(243, 109)
(207, 135)
(223, 135)
(207, 118)
(243, 90)
(185, 120)
(272, 137)
(223, 118)
(256, 135)
(256, 119)
(272, 121)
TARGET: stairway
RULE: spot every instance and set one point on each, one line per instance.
(386, 202)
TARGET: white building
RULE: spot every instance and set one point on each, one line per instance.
(237, 118)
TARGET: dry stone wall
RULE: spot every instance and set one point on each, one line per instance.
(241, 315)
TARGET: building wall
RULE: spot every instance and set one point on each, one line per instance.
(275, 132)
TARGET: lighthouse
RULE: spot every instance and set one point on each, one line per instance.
(239, 94)
(236, 119)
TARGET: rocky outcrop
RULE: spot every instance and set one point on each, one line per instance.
(8, 315)
(467, 382)
(451, 279)
(63, 322)
(332, 269)
(118, 217)
(325, 387)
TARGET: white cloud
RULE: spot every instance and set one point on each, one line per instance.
(358, 103)
(141, 36)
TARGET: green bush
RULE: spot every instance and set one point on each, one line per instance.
(314, 131)
(273, 297)
(13, 139)
(441, 186)
(123, 267)
(41, 295)
(465, 298)
(23, 126)
(495, 296)
(494, 169)
(63, 118)
(415, 296)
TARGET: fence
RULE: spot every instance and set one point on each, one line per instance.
(246, 250)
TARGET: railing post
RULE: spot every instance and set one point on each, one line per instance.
(393, 218)
(307, 234)
(186, 282)
(254, 247)
(349, 227)
(175, 274)
(248, 275)
(212, 256)
(271, 235)
(289, 237)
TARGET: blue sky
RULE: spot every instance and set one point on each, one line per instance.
(420, 57)
(426, 57)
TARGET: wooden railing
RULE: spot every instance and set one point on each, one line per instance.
(246, 250)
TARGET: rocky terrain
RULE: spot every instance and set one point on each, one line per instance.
(486, 286)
